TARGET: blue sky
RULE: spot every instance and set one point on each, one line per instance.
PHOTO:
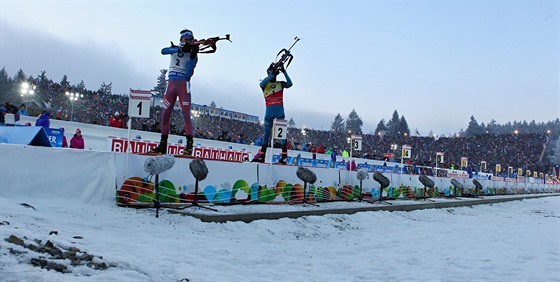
(435, 62)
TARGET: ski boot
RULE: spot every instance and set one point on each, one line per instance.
(259, 157)
(189, 147)
(283, 158)
(161, 148)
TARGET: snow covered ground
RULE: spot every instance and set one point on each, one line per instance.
(513, 241)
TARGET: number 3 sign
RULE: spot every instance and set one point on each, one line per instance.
(356, 142)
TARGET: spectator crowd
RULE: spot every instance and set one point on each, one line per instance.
(517, 150)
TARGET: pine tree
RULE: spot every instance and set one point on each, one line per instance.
(354, 122)
(338, 124)
(403, 127)
(161, 83)
(393, 125)
(492, 127)
(42, 79)
(381, 128)
(291, 123)
(554, 157)
(4, 78)
(212, 104)
(6, 86)
(64, 83)
(81, 87)
(473, 128)
(105, 89)
(20, 76)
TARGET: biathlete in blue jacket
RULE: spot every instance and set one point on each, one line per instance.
(273, 92)
(181, 69)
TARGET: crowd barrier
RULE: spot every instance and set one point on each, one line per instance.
(93, 177)
(251, 183)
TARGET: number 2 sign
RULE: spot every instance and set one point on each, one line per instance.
(279, 130)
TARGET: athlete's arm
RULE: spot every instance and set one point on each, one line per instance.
(288, 82)
(169, 50)
(190, 67)
(266, 80)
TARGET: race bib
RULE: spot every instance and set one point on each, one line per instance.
(178, 63)
(272, 88)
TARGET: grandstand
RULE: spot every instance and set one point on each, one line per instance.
(198, 110)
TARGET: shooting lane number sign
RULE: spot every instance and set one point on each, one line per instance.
(464, 162)
(406, 152)
(356, 142)
(280, 129)
(439, 157)
(139, 103)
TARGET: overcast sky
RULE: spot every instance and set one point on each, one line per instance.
(435, 62)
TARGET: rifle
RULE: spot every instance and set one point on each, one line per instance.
(204, 44)
(285, 58)
(210, 43)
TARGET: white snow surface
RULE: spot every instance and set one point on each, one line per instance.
(513, 241)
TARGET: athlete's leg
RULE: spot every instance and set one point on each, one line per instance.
(168, 103)
(283, 142)
(185, 100)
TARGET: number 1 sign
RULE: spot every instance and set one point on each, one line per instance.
(139, 103)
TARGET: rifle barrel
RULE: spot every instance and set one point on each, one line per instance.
(296, 41)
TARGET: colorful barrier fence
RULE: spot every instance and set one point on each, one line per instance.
(243, 183)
